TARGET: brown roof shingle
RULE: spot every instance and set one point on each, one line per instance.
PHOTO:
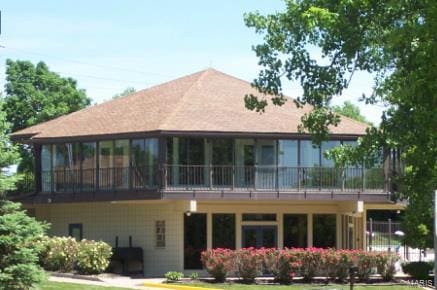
(205, 101)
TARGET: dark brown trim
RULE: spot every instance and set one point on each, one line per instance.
(210, 134)
(89, 197)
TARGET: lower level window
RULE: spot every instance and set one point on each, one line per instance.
(295, 230)
(194, 239)
(223, 231)
(75, 231)
(324, 230)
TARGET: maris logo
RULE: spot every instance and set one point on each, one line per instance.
(421, 283)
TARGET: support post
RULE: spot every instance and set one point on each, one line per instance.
(370, 233)
(389, 235)
(435, 237)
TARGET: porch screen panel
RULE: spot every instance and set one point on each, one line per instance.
(310, 174)
(222, 161)
(353, 173)
(121, 164)
(151, 161)
(330, 176)
(191, 157)
(295, 230)
(138, 159)
(324, 230)
(223, 231)
(89, 160)
(245, 162)
(106, 155)
(46, 168)
(194, 239)
(66, 167)
(288, 163)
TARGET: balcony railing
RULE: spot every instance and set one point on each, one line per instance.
(201, 177)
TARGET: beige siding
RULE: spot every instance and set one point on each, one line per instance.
(105, 221)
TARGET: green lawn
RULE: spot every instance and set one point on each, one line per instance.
(300, 287)
(70, 286)
(236, 286)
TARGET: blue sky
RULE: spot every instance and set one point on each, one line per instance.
(110, 45)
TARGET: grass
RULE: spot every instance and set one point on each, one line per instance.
(48, 285)
(237, 286)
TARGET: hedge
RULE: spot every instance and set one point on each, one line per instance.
(285, 264)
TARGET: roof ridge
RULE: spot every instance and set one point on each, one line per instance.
(183, 97)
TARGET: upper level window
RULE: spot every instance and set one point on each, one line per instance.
(144, 161)
(309, 154)
(121, 164)
(46, 167)
(287, 153)
(327, 145)
(89, 160)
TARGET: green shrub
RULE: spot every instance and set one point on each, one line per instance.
(60, 254)
(18, 255)
(93, 257)
(418, 270)
(173, 276)
(194, 276)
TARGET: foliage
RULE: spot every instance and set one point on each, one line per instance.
(93, 257)
(391, 40)
(285, 264)
(60, 253)
(351, 111)
(386, 265)
(194, 276)
(248, 264)
(18, 255)
(65, 254)
(126, 92)
(173, 276)
(218, 263)
(8, 156)
(18, 232)
(418, 270)
(35, 94)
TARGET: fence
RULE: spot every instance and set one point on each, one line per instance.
(388, 236)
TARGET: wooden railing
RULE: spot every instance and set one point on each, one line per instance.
(203, 177)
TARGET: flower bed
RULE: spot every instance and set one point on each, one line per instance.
(285, 264)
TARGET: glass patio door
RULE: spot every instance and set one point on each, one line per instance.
(259, 236)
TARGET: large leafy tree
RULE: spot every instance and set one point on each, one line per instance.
(350, 110)
(35, 94)
(395, 41)
(18, 232)
(125, 92)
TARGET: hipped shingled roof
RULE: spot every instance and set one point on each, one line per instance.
(207, 101)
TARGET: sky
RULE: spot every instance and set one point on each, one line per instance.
(108, 46)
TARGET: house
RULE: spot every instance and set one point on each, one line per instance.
(184, 166)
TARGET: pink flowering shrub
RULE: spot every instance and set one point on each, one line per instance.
(248, 263)
(385, 263)
(365, 261)
(218, 263)
(285, 264)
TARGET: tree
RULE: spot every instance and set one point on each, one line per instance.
(126, 92)
(392, 40)
(350, 110)
(18, 232)
(35, 94)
